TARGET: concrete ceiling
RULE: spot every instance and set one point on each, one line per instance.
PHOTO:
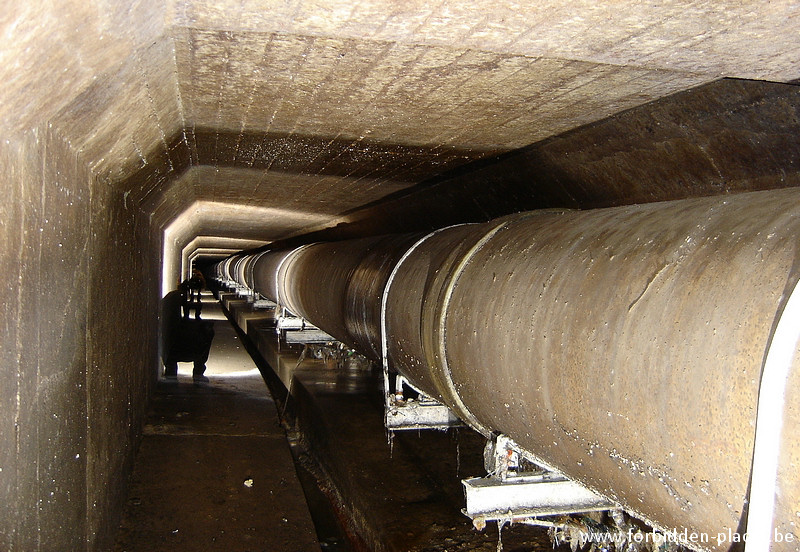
(278, 118)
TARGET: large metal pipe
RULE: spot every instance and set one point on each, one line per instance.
(352, 274)
(622, 346)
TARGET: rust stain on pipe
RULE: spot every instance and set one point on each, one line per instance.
(623, 346)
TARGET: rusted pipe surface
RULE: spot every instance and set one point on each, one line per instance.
(265, 274)
(623, 346)
(337, 286)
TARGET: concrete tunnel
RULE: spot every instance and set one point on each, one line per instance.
(143, 136)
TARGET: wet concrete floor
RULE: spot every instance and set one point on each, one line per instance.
(403, 495)
(214, 470)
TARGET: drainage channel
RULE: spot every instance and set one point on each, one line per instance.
(365, 493)
(330, 532)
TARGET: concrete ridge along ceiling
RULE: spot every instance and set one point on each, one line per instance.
(338, 110)
(325, 106)
(331, 123)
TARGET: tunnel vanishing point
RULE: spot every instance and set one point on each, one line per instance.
(654, 146)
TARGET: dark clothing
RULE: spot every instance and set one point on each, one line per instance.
(191, 289)
(196, 282)
(190, 303)
(183, 340)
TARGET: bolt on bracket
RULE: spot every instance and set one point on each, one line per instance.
(517, 489)
(415, 410)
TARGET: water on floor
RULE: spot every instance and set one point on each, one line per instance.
(304, 466)
(403, 495)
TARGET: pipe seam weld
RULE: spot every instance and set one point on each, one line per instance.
(454, 395)
(385, 294)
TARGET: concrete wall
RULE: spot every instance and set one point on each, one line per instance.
(122, 360)
(77, 308)
(728, 136)
(45, 272)
(87, 104)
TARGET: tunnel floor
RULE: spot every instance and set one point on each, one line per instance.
(215, 470)
(403, 494)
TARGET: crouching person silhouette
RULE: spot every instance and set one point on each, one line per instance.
(183, 339)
